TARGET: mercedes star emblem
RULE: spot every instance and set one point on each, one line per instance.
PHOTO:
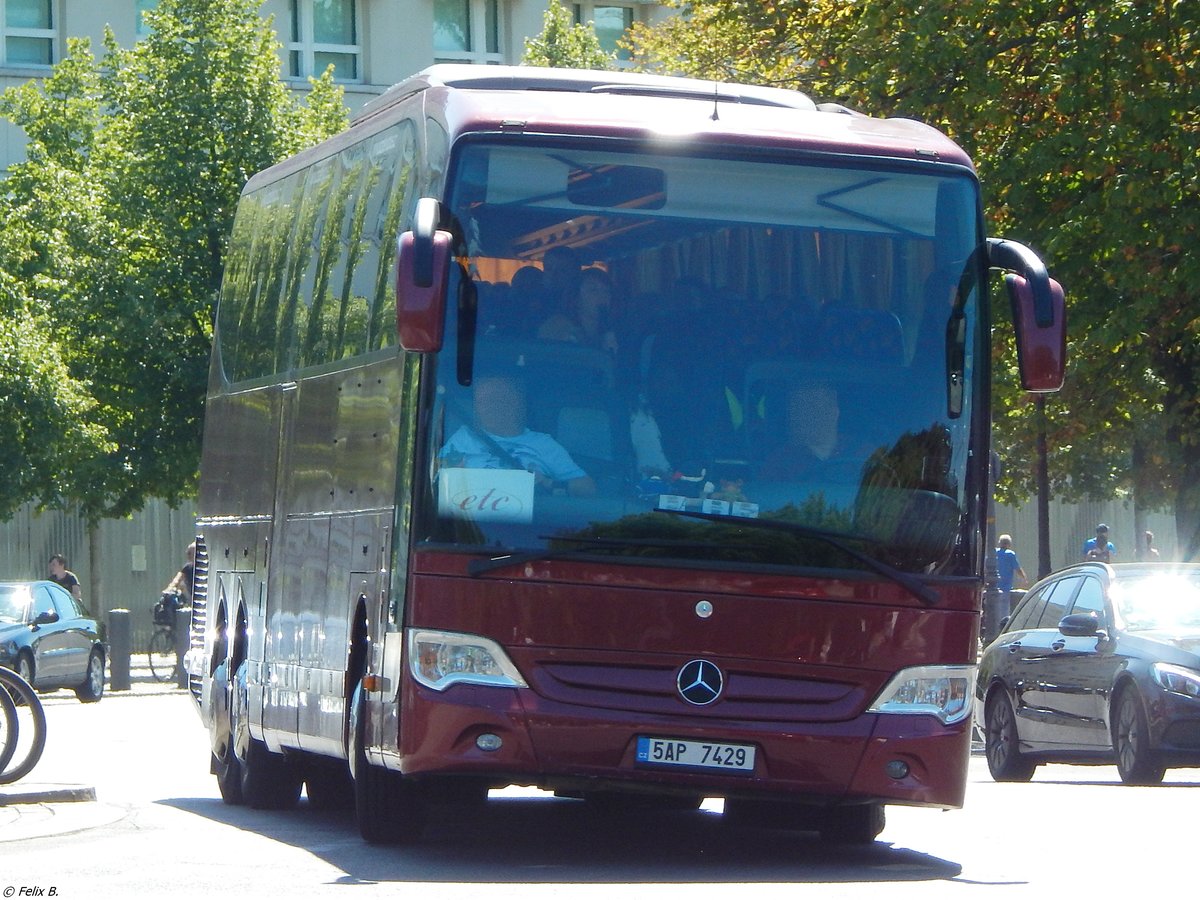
(699, 682)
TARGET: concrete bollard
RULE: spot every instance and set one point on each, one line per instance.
(183, 637)
(119, 646)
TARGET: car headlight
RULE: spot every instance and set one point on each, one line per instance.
(941, 691)
(1176, 679)
(440, 659)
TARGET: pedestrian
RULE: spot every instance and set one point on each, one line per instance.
(1008, 568)
(60, 575)
(1147, 552)
(1099, 548)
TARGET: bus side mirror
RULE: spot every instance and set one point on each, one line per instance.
(1041, 334)
(422, 267)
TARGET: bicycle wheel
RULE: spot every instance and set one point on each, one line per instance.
(162, 655)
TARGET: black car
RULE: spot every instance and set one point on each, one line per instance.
(50, 639)
(1099, 664)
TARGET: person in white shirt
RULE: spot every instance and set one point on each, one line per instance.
(500, 439)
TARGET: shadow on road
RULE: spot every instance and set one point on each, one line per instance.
(545, 840)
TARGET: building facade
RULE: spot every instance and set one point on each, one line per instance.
(372, 44)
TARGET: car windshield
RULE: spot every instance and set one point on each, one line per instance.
(14, 600)
(634, 334)
(1159, 602)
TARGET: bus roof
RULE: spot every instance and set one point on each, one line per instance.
(530, 99)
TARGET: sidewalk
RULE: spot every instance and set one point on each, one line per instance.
(44, 803)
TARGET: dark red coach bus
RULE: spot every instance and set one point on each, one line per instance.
(624, 436)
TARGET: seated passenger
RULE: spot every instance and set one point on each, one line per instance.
(500, 439)
(585, 319)
(813, 446)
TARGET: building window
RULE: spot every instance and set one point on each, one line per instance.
(28, 32)
(324, 33)
(467, 31)
(610, 22)
(142, 7)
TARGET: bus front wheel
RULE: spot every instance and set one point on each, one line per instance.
(388, 807)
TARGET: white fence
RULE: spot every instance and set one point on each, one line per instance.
(137, 555)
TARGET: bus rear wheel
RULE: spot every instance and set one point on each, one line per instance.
(268, 780)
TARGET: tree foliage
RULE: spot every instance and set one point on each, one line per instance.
(1083, 122)
(563, 44)
(115, 228)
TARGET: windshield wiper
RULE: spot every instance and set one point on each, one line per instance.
(913, 585)
(479, 567)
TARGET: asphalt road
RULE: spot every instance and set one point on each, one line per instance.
(158, 825)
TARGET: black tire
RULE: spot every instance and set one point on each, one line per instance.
(1001, 742)
(92, 688)
(859, 824)
(1137, 763)
(224, 763)
(162, 655)
(9, 730)
(25, 670)
(330, 788)
(389, 809)
(269, 780)
(23, 695)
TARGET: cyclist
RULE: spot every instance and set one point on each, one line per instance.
(181, 584)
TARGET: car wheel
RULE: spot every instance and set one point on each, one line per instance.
(92, 688)
(25, 667)
(1137, 763)
(1001, 742)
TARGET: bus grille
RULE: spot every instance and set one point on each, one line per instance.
(748, 695)
(199, 610)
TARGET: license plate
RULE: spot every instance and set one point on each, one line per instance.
(695, 754)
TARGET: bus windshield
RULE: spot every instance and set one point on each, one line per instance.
(648, 349)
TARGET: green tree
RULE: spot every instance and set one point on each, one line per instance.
(563, 44)
(115, 227)
(1083, 123)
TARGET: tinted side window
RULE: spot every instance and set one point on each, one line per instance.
(64, 603)
(1059, 602)
(1090, 599)
(42, 602)
(1029, 611)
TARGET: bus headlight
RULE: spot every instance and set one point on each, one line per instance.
(941, 691)
(440, 659)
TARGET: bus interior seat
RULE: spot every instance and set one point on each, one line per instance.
(586, 432)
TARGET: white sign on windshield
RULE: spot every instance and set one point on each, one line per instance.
(495, 495)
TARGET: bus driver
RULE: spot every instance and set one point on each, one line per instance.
(500, 439)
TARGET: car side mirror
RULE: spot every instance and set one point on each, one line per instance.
(48, 617)
(1081, 625)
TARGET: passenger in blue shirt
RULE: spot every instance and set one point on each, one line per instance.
(1008, 567)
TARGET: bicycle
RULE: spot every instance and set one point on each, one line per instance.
(164, 662)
